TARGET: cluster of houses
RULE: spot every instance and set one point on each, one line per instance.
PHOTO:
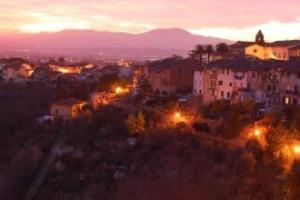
(267, 73)
(15, 69)
(21, 70)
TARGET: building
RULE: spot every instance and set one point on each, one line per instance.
(290, 83)
(172, 75)
(16, 69)
(236, 80)
(67, 109)
(71, 68)
(278, 50)
(198, 84)
(239, 47)
(295, 51)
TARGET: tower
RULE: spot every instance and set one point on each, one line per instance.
(260, 38)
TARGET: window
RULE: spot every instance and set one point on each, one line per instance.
(230, 84)
(228, 94)
(253, 74)
(254, 50)
(295, 101)
(222, 94)
(288, 74)
(286, 100)
(220, 82)
(269, 87)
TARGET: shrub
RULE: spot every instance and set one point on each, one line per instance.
(136, 123)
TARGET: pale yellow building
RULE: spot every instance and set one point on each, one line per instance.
(268, 51)
(278, 50)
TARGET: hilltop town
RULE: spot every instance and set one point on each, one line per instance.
(226, 116)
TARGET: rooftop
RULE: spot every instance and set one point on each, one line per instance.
(69, 102)
(173, 62)
(246, 63)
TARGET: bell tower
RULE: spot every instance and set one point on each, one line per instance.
(260, 38)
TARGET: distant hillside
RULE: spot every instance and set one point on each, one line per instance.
(159, 38)
(172, 41)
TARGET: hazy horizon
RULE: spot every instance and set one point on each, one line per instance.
(229, 19)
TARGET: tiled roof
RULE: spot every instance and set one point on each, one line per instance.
(173, 62)
(292, 66)
(282, 43)
(285, 43)
(246, 63)
(242, 44)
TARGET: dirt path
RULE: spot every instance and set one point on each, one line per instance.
(36, 185)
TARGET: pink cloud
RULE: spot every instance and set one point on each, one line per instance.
(143, 15)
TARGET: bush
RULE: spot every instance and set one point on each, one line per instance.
(201, 127)
(136, 123)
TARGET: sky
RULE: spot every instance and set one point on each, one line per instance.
(228, 19)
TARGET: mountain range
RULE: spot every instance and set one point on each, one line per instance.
(172, 41)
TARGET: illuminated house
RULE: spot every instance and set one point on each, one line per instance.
(16, 70)
(279, 50)
(70, 68)
(290, 83)
(67, 109)
(235, 80)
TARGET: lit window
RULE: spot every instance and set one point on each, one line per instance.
(287, 100)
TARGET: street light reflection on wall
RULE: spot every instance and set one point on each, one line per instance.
(178, 117)
(121, 90)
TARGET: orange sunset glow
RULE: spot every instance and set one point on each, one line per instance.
(225, 19)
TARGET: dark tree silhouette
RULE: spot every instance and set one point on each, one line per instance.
(209, 50)
(198, 53)
(222, 48)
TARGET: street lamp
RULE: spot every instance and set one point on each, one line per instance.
(177, 115)
(257, 132)
(118, 90)
(296, 149)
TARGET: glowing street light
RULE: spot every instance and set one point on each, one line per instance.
(257, 132)
(118, 90)
(296, 149)
(177, 115)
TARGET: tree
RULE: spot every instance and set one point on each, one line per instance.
(222, 48)
(136, 123)
(198, 53)
(209, 49)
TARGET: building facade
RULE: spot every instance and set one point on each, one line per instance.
(172, 75)
(67, 109)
